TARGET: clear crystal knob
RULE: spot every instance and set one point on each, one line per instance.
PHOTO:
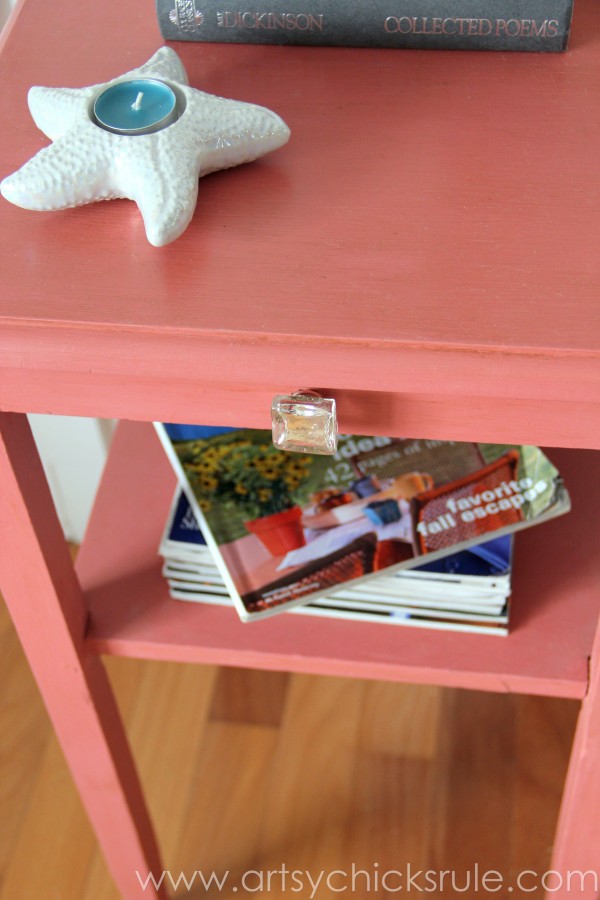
(304, 422)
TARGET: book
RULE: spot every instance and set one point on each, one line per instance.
(522, 25)
(288, 528)
(435, 600)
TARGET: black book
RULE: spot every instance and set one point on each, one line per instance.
(521, 25)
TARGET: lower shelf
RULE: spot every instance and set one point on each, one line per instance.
(556, 598)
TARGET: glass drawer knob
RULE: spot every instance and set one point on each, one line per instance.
(304, 422)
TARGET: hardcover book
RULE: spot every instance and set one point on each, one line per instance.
(532, 25)
(286, 528)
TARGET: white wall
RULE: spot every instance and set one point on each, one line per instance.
(73, 453)
(5, 8)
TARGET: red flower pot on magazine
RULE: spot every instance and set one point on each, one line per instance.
(279, 532)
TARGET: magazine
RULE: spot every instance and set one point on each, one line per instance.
(182, 538)
(396, 613)
(468, 592)
(480, 574)
(288, 528)
(483, 567)
(181, 576)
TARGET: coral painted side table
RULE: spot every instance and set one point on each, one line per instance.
(425, 249)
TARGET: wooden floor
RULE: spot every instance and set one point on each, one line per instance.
(251, 771)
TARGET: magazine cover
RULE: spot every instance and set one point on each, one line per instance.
(182, 537)
(466, 591)
(287, 528)
(482, 570)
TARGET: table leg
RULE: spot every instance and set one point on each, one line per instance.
(45, 601)
(576, 859)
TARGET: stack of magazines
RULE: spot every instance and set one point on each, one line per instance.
(466, 591)
(404, 532)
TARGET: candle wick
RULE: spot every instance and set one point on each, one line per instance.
(138, 101)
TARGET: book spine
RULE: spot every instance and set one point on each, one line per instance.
(522, 25)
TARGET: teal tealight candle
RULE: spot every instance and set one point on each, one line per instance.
(138, 106)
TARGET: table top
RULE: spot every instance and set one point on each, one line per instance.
(431, 226)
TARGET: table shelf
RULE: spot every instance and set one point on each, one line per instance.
(555, 606)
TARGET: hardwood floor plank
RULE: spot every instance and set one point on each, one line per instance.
(55, 845)
(387, 831)
(401, 719)
(249, 696)
(313, 771)
(227, 800)
(545, 729)
(25, 734)
(167, 731)
(475, 776)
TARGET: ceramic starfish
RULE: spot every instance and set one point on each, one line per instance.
(158, 171)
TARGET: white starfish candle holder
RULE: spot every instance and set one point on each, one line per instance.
(158, 169)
